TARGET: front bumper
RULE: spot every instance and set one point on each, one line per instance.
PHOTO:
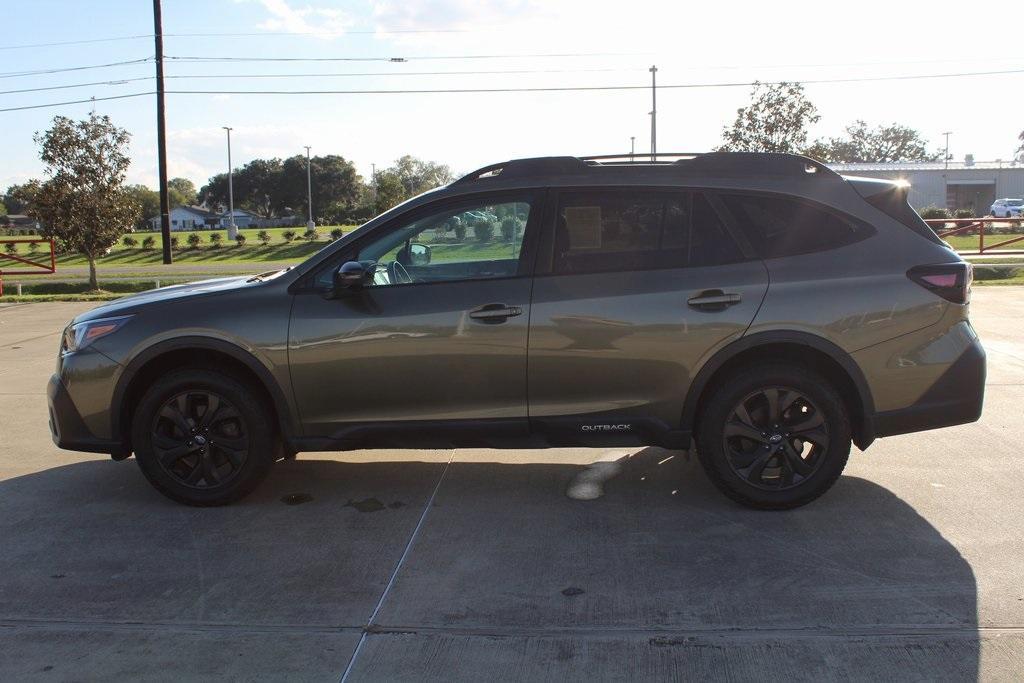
(955, 398)
(67, 427)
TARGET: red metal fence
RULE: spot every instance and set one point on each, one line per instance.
(1004, 231)
(34, 267)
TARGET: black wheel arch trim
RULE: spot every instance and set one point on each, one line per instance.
(863, 431)
(286, 420)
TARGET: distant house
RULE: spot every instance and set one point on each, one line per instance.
(243, 219)
(17, 221)
(187, 218)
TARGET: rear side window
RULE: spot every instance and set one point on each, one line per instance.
(616, 231)
(781, 226)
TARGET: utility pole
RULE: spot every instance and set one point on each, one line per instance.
(232, 230)
(373, 179)
(161, 134)
(654, 113)
(632, 147)
(309, 191)
(947, 134)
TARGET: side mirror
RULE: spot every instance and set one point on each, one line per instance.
(419, 254)
(350, 275)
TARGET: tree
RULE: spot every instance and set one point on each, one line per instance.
(257, 184)
(84, 204)
(389, 191)
(880, 144)
(776, 120)
(148, 201)
(17, 197)
(418, 176)
(214, 194)
(1021, 148)
(3, 209)
(181, 192)
(334, 181)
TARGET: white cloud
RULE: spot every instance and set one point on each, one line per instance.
(323, 22)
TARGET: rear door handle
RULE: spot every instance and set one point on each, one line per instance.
(495, 313)
(714, 300)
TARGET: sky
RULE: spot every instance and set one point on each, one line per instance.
(446, 44)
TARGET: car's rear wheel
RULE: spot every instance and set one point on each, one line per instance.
(775, 436)
(203, 438)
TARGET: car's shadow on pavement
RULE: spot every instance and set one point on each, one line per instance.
(859, 581)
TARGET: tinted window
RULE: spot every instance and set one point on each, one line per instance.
(469, 241)
(608, 231)
(779, 226)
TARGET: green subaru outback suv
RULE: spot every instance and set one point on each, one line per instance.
(759, 306)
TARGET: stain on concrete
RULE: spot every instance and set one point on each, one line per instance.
(366, 505)
(573, 591)
(296, 498)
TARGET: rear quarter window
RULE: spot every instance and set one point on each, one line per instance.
(784, 226)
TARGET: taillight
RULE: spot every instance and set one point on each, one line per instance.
(951, 281)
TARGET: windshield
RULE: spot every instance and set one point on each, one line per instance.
(1015, 202)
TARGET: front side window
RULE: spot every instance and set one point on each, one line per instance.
(471, 241)
(609, 231)
(782, 226)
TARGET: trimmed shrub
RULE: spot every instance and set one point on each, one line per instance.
(11, 248)
(240, 239)
(264, 237)
(174, 241)
(934, 212)
(963, 213)
(460, 231)
(508, 229)
(288, 235)
(129, 242)
(148, 243)
(337, 234)
(193, 240)
(215, 239)
(311, 235)
(33, 247)
(483, 231)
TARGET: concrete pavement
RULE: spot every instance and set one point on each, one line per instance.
(413, 565)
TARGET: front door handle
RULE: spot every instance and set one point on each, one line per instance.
(495, 313)
(714, 300)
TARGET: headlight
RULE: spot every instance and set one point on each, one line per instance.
(79, 336)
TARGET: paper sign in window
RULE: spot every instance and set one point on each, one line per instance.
(584, 226)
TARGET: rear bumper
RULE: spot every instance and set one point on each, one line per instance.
(955, 398)
(67, 427)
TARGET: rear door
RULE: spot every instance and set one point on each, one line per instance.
(634, 290)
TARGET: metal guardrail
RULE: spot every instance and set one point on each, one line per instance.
(964, 225)
(35, 267)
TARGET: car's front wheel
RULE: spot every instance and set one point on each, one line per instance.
(775, 436)
(202, 437)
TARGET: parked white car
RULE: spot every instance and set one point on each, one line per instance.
(1007, 208)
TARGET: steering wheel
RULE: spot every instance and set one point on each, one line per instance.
(397, 274)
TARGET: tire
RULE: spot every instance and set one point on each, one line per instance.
(196, 464)
(762, 463)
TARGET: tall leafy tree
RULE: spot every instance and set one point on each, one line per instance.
(181, 192)
(15, 197)
(389, 191)
(418, 176)
(880, 144)
(83, 203)
(1021, 148)
(257, 184)
(776, 120)
(148, 201)
(334, 181)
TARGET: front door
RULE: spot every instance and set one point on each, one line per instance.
(436, 340)
(641, 288)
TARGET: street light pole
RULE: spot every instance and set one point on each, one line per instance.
(945, 173)
(632, 147)
(232, 230)
(654, 113)
(309, 191)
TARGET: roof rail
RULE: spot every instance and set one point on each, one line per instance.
(764, 163)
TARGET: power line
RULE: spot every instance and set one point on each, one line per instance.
(670, 86)
(75, 42)
(584, 88)
(91, 99)
(119, 81)
(40, 72)
(557, 55)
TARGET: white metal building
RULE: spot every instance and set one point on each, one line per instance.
(963, 185)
